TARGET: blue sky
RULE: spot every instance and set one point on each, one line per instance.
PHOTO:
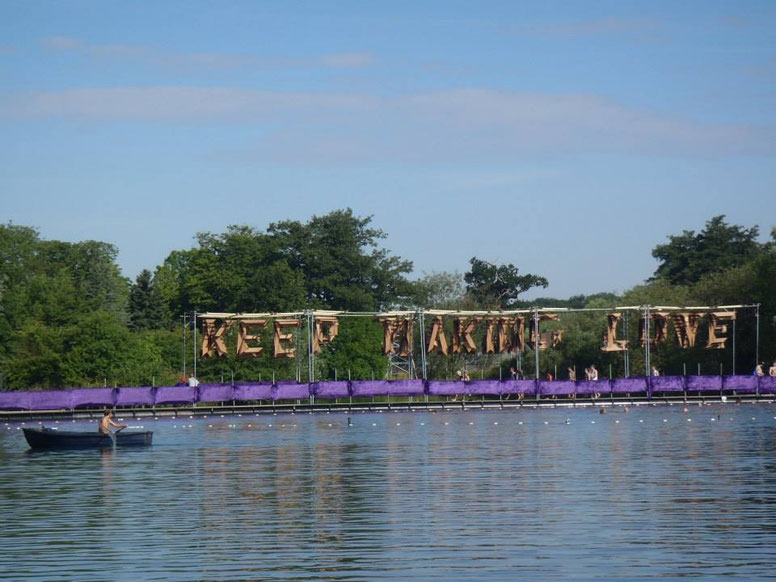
(567, 138)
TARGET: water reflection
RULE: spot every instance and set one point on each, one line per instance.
(458, 495)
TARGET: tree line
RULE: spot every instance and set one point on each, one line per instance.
(68, 317)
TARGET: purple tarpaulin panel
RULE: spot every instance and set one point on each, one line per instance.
(51, 399)
(447, 387)
(484, 387)
(667, 384)
(526, 387)
(134, 396)
(15, 400)
(767, 385)
(175, 395)
(703, 383)
(629, 385)
(331, 389)
(556, 388)
(92, 397)
(741, 384)
(593, 387)
(290, 391)
(245, 391)
(387, 387)
(216, 393)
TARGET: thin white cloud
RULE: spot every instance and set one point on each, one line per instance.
(444, 126)
(161, 58)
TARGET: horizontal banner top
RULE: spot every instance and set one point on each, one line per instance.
(405, 313)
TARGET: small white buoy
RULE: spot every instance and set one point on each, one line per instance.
(471, 423)
(592, 422)
(374, 424)
(665, 420)
(545, 422)
(689, 420)
(616, 422)
(398, 424)
(519, 422)
(641, 420)
(495, 423)
(447, 423)
(422, 424)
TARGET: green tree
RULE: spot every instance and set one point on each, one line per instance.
(147, 309)
(498, 286)
(719, 246)
(342, 265)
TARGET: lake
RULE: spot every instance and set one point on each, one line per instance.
(659, 493)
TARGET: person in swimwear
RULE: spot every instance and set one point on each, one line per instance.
(106, 422)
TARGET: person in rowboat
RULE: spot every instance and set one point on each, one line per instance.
(106, 422)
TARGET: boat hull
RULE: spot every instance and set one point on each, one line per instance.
(48, 439)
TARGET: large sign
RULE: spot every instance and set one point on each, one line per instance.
(465, 334)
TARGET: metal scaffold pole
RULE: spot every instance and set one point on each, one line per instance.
(757, 335)
(646, 342)
(185, 327)
(423, 362)
(195, 343)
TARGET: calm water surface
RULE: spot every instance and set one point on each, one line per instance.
(658, 493)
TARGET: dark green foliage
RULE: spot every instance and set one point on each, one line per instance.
(356, 352)
(498, 286)
(147, 309)
(719, 246)
(341, 265)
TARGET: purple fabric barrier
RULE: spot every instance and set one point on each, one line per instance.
(92, 397)
(447, 387)
(525, 387)
(629, 385)
(667, 384)
(134, 396)
(741, 384)
(484, 387)
(557, 388)
(216, 393)
(51, 399)
(245, 391)
(175, 395)
(767, 385)
(14, 400)
(331, 389)
(703, 383)
(593, 387)
(387, 387)
(290, 391)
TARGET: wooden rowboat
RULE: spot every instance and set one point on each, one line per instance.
(49, 438)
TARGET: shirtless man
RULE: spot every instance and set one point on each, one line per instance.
(106, 422)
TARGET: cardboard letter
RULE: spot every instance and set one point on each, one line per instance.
(249, 336)
(437, 341)
(282, 349)
(718, 328)
(213, 338)
(611, 343)
(325, 329)
(462, 334)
